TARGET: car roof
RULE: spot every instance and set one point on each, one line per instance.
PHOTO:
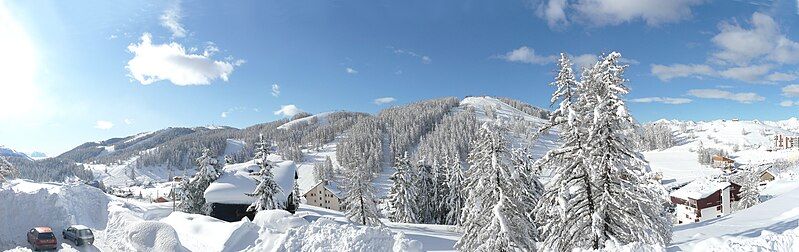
(80, 227)
(43, 229)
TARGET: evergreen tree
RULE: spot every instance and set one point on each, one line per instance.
(457, 196)
(402, 195)
(599, 191)
(7, 170)
(359, 198)
(629, 206)
(424, 198)
(493, 219)
(749, 193)
(268, 191)
(193, 199)
(565, 207)
(438, 205)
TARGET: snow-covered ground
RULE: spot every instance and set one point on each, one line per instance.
(130, 225)
(777, 215)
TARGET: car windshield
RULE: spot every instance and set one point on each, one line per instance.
(84, 233)
(43, 236)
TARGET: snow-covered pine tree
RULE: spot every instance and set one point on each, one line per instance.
(749, 193)
(457, 196)
(564, 210)
(7, 170)
(493, 219)
(192, 200)
(319, 172)
(438, 204)
(627, 207)
(402, 195)
(424, 198)
(359, 197)
(268, 190)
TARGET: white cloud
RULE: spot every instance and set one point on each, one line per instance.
(171, 62)
(103, 125)
(128, 121)
(752, 73)
(526, 54)
(664, 100)
(224, 114)
(747, 54)
(349, 70)
(288, 110)
(554, 11)
(584, 61)
(667, 73)
(424, 58)
(740, 45)
(614, 12)
(275, 90)
(726, 95)
(778, 76)
(171, 20)
(788, 103)
(791, 90)
(384, 100)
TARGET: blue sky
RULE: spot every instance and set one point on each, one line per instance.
(72, 72)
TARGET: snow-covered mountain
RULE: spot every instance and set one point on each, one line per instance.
(731, 134)
(8, 152)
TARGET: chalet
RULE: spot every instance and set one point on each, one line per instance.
(704, 199)
(782, 142)
(767, 175)
(228, 197)
(325, 194)
(723, 162)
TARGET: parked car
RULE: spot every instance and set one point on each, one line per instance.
(79, 234)
(42, 238)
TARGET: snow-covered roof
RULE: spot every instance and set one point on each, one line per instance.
(699, 189)
(331, 186)
(236, 181)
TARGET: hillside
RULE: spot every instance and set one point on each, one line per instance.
(11, 153)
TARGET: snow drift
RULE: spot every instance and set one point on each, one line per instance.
(26, 205)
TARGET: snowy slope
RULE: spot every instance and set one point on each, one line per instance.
(776, 215)
(320, 119)
(747, 142)
(489, 109)
(8, 152)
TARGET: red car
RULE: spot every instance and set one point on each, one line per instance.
(42, 238)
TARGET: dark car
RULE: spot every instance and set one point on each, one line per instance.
(42, 238)
(79, 234)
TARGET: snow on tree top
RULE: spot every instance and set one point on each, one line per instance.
(699, 189)
(237, 180)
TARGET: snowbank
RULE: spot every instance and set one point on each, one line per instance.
(319, 236)
(611, 246)
(26, 205)
(766, 241)
(154, 236)
(203, 233)
(278, 220)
